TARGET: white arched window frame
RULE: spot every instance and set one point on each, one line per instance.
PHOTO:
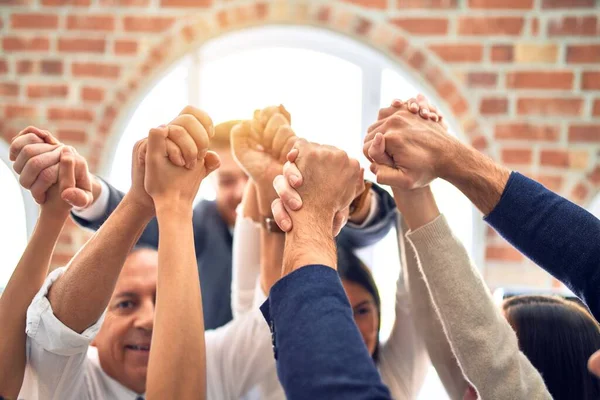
(18, 213)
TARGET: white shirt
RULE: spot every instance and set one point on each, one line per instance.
(63, 366)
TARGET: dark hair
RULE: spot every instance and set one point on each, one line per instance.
(558, 336)
(352, 269)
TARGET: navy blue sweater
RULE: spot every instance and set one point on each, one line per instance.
(319, 350)
(559, 236)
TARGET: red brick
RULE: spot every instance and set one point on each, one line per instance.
(363, 26)
(399, 45)
(459, 107)
(540, 80)
(51, 67)
(95, 70)
(9, 89)
(91, 22)
(590, 80)
(493, 105)
(3, 67)
(24, 67)
(38, 91)
(501, 4)
(535, 26)
(72, 136)
(126, 47)
(81, 45)
(490, 25)
(417, 60)
(34, 21)
(573, 26)
(554, 158)
(147, 24)
(15, 111)
(60, 3)
(482, 79)
(12, 43)
(124, 3)
(584, 133)
(423, 26)
(549, 106)
(525, 131)
(552, 182)
(502, 253)
(502, 53)
(583, 53)
(579, 193)
(596, 108)
(15, 2)
(93, 94)
(458, 52)
(186, 3)
(567, 3)
(377, 4)
(594, 176)
(517, 156)
(71, 114)
(439, 4)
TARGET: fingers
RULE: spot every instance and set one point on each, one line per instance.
(281, 216)
(377, 152)
(412, 105)
(66, 172)
(174, 153)
(594, 364)
(183, 140)
(201, 117)
(424, 107)
(288, 195)
(276, 122)
(287, 147)
(30, 152)
(211, 162)
(19, 142)
(34, 167)
(81, 195)
(293, 154)
(339, 220)
(293, 175)
(43, 183)
(391, 176)
(188, 125)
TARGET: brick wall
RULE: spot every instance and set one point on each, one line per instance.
(520, 76)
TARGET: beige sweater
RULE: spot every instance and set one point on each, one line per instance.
(449, 296)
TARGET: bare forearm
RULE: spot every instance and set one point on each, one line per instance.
(418, 207)
(250, 202)
(310, 242)
(24, 283)
(271, 258)
(93, 272)
(478, 177)
(177, 366)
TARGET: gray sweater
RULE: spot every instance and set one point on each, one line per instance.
(465, 333)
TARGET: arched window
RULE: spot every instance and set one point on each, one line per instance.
(14, 227)
(332, 85)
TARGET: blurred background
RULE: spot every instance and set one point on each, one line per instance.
(517, 79)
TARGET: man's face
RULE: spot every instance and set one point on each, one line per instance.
(123, 342)
(230, 181)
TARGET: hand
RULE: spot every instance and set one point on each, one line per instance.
(56, 204)
(188, 137)
(170, 185)
(37, 156)
(594, 364)
(330, 180)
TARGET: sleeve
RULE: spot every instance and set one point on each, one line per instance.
(426, 321)
(320, 353)
(376, 226)
(559, 236)
(484, 343)
(98, 208)
(246, 265)
(238, 356)
(57, 355)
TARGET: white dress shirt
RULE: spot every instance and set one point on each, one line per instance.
(63, 366)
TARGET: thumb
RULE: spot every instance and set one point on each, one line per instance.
(377, 151)
(211, 161)
(393, 177)
(157, 143)
(594, 364)
(66, 171)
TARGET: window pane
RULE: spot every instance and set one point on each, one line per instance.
(13, 230)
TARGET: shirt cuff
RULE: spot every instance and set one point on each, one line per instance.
(49, 332)
(373, 210)
(98, 208)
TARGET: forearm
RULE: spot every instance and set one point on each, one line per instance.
(177, 366)
(477, 177)
(24, 283)
(271, 258)
(310, 242)
(94, 270)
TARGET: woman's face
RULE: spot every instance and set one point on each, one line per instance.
(365, 313)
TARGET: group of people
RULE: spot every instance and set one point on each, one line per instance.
(259, 294)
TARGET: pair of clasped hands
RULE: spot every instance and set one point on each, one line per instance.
(290, 173)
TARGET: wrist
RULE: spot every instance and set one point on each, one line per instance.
(418, 206)
(138, 207)
(266, 195)
(53, 216)
(173, 210)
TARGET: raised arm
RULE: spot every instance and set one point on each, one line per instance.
(177, 364)
(29, 275)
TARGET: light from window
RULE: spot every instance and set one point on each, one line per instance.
(13, 230)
